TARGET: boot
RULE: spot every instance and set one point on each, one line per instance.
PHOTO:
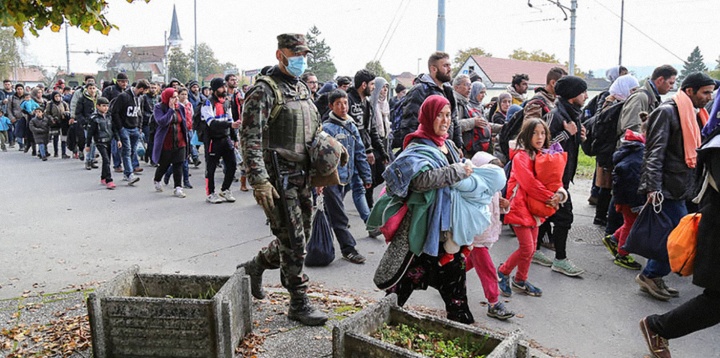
(301, 310)
(255, 272)
(243, 183)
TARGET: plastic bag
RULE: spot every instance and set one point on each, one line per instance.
(682, 245)
(319, 249)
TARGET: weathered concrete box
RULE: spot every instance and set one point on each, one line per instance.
(352, 338)
(155, 315)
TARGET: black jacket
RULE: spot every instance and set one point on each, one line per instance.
(84, 108)
(112, 91)
(706, 272)
(362, 114)
(101, 130)
(566, 112)
(664, 168)
(425, 87)
(127, 110)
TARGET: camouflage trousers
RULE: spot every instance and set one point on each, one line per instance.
(283, 252)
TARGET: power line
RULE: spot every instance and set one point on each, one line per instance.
(641, 32)
(388, 29)
(393, 31)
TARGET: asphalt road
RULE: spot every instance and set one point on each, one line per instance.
(60, 227)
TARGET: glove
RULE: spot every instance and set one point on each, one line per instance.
(264, 195)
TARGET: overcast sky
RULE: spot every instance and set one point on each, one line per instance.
(243, 32)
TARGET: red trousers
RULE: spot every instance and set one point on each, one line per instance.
(623, 231)
(480, 260)
(521, 258)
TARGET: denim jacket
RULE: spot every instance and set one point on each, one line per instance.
(345, 132)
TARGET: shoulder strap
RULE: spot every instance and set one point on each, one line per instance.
(279, 98)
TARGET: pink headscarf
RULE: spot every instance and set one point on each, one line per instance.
(166, 95)
(429, 111)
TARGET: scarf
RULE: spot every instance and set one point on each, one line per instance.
(514, 94)
(689, 126)
(429, 111)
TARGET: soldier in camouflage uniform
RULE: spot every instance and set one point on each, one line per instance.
(279, 115)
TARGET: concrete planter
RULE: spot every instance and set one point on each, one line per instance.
(142, 315)
(352, 338)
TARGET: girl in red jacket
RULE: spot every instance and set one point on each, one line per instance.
(534, 136)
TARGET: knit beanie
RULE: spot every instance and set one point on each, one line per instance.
(696, 80)
(216, 83)
(570, 87)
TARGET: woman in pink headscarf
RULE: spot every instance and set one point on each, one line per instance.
(171, 139)
(421, 177)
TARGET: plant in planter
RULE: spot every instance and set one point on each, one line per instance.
(169, 315)
(431, 344)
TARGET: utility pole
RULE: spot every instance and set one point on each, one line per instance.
(196, 54)
(622, 23)
(441, 26)
(573, 17)
(67, 50)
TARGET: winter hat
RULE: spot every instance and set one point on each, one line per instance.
(399, 88)
(482, 158)
(327, 88)
(344, 80)
(512, 110)
(192, 83)
(166, 94)
(216, 83)
(102, 100)
(697, 79)
(570, 87)
(121, 76)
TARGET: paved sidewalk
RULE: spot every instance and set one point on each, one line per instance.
(62, 232)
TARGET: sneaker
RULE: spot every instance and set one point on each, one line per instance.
(179, 192)
(44, 159)
(354, 257)
(651, 286)
(187, 186)
(196, 162)
(110, 185)
(55, 155)
(213, 199)
(138, 170)
(526, 288)
(600, 222)
(65, 156)
(374, 233)
(227, 196)
(661, 283)
(627, 262)
(593, 200)
(88, 165)
(499, 311)
(131, 179)
(504, 284)
(94, 164)
(81, 156)
(566, 267)
(659, 346)
(611, 244)
(540, 259)
(103, 181)
(118, 169)
(158, 186)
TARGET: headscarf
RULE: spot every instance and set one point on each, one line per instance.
(53, 97)
(166, 95)
(429, 111)
(620, 89)
(475, 90)
(500, 98)
(381, 107)
(612, 73)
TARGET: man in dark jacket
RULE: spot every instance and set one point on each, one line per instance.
(114, 90)
(220, 139)
(149, 100)
(15, 114)
(669, 167)
(435, 82)
(127, 115)
(565, 128)
(702, 311)
(80, 120)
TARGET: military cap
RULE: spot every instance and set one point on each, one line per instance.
(326, 154)
(294, 42)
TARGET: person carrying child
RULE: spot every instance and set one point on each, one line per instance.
(101, 130)
(523, 184)
(479, 258)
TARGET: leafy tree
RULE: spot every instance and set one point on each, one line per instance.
(321, 62)
(537, 56)
(207, 63)
(695, 63)
(37, 15)
(715, 73)
(9, 52)
(462, 55)
(376, 68)
(179, 65)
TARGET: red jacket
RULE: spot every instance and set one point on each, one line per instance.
(522, 178)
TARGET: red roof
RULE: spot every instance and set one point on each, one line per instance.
(138, 54)
(27, 74)
(501, 70)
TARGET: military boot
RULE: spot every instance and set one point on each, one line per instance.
(301, 310)
(255, 272)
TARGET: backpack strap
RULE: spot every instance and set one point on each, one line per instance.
(279, 99)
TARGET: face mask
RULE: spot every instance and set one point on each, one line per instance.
(296, 65)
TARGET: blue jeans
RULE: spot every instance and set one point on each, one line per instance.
(359, 197)
(90, 157)
(675, 210)
(115, 154)
(41, 147)
(129, 138)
